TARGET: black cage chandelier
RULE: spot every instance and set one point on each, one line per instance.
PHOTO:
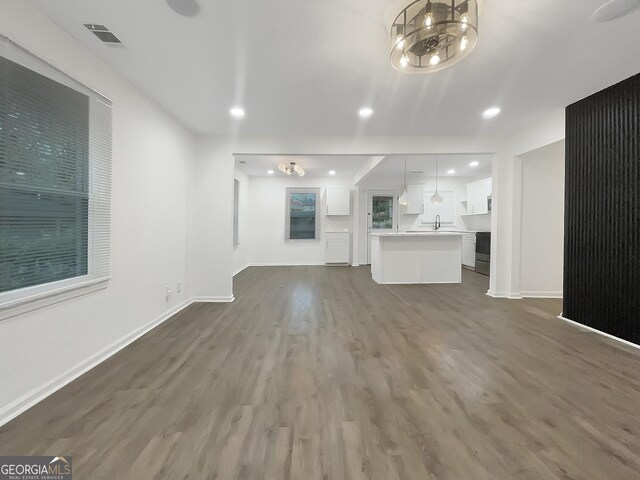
(430, 35)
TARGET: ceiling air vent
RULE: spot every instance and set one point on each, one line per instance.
(103, 34)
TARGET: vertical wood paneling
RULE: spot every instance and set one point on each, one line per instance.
(602, 211)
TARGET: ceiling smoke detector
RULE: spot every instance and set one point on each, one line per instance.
(614, 9)
(186, 8)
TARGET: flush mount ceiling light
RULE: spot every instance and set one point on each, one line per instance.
(291, 168)
(365, 112)
(332, 172)
(491, 112)
(451, 172)
(270, 172)
(237, 112)
(430, 35)
(615, 9)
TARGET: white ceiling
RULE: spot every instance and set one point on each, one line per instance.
(421, 166)
(305, 67)
(314, 166)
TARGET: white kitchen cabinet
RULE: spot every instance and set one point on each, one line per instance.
(338, 200)
(469, 250)
(338, 248)
(416, 200)
(478, 193)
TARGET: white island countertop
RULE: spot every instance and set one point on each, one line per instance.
(416, 234)
(416, 257)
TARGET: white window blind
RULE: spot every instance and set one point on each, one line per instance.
(55, 180)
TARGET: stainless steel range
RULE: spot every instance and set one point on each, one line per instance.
(483, 252)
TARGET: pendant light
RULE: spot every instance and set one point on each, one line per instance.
(436, 198)
(404, 198)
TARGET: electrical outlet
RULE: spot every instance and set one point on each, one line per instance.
(179, 287)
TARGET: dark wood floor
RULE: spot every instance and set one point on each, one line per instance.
(319, 373)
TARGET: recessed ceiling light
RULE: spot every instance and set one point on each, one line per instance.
(332, 172)
(475, 163)
(20, 173)
(237, 112)
(451, 172)
(270, 172)
(365, 112)
(491, 112)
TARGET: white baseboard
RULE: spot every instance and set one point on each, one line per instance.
(289, 264)
(599, 332)
(240, 269)
(542, 294)
(509, 295)
(224, 299)
(29, 399)
(355, 264)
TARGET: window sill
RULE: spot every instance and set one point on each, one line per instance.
(23, 305)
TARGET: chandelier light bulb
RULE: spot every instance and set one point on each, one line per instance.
(404, 60)
(428, 20)
(435, 59)
(464, 42)
(428, 14)
(465, 19)
(282, 167)
(400, 42)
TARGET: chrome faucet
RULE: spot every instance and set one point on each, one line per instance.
(436, 224)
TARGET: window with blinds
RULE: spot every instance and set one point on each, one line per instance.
(55, 179)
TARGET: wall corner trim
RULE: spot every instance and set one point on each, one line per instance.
(288, 264)
(508, 295)
(542, 294)
(241, 269)
(599, 332)
(22, 404)
(220, 299)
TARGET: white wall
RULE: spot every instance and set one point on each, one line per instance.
(241, 249)
(542, 224)
(153, 171)
(268, 245)
(507, 198)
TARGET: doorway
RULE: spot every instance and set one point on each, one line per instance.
(382, 214)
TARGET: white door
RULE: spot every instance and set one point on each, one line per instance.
(382, 214)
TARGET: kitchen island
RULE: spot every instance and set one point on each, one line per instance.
(416, 257)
